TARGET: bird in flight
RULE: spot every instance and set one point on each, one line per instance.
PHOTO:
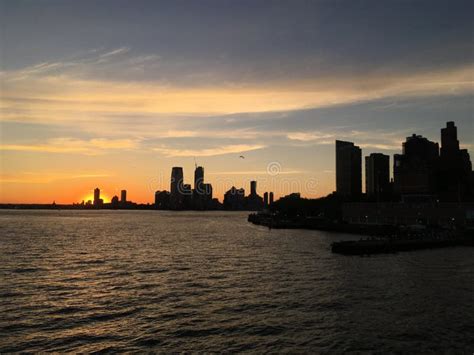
(241, 157)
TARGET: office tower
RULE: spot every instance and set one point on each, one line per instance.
(271, 198)
(377, 175)
(234, 199)
(96, 196)
(176, 188)
(449, 140)
(199, 180)
(348, 169)
(253, 202)
(123, 196)
(455, 167)
(265, 199)
(253, 188)
(414, 171)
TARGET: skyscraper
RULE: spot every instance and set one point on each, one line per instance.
(449, 140)
(96, 196)
(414, 171)
(123, 196)
(176, 188)
(271, 198)
(377, 175)
(253, 201)
(348, 169)
(455, 168)
(265, 199)
(253, 188)
(199, 180)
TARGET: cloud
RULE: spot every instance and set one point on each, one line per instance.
(208, 152)
(323, 138)
(120, 50)
(66, 95)
(72, 145)
(44, 178)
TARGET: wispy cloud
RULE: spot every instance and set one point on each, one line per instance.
(208, 152)
(71, 145)
(120, 50)
(66, 93)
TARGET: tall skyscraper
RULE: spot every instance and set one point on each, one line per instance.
(377, 174)
(253, 188)
(449, 140)
(271, 198)
(455, 176)
(176, 188)
(199, 180)
(96, 196)
(414, 171)
(123, 196)
(348, 169)
(265, 199)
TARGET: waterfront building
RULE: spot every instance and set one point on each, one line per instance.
(348, 169)
(455, 167)
(97, 200)
(377, 175)
(414, 170)
(234, 199)
(176, 188)
(162, 200)
(123, 196)
(253, 202)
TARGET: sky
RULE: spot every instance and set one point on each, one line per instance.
(113, 94)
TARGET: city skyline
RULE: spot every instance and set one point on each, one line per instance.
(87, 102)
(424, 169)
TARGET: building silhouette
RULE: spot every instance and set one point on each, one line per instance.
(114, 202)
(253, 188)
(97, 200)
(414, 171)
(377, 175)
(123, 196)
(455, 167)
(199, 180)
(162, 200)
(199, 193)
(348, 169)
(234, 199)
(271, 198)
(253, 202)
(176, 188)
(265, 199)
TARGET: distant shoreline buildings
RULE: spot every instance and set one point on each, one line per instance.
(182, 197)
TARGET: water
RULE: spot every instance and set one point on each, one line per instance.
(87, 281)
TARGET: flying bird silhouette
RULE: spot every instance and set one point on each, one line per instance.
(241, 157)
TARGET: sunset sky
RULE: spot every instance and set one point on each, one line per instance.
(114, 93)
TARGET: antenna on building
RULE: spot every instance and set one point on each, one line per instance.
(195, 164)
